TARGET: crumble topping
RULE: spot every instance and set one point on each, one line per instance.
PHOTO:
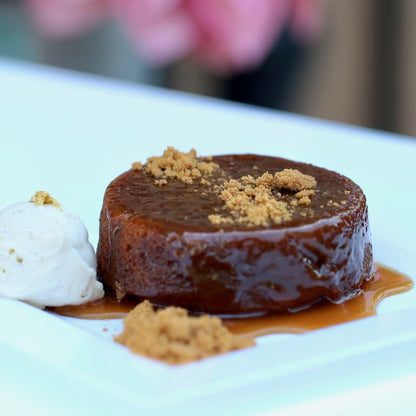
(43, 198)
(137, 165)
(306, 193)
(254, 201)
(172, 336)
(178, 165)
(303, 197)
(294, 180)
(270, 198)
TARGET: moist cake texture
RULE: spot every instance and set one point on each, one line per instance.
(181, 242)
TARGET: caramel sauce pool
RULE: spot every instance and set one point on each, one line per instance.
(386, 282)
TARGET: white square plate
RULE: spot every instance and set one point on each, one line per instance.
(71, 134)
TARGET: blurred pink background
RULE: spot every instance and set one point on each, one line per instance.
(348, 61)
(224, 35)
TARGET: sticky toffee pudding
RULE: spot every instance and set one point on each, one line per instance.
(235, 235)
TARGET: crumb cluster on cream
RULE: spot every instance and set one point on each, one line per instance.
(46, 258)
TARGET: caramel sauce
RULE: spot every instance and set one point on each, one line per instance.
(386, 282)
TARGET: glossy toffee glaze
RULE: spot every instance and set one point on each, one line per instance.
(157, 243)
(385, 283)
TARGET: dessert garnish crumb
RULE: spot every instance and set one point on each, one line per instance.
(177, 165)
(304, 197)
(255, 201)
(250, 200)
(43, 198)
(137, 165)
(172, 336)
(294, 180)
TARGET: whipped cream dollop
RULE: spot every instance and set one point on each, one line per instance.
(46, 258)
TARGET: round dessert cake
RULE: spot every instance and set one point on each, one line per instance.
(233, 235)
